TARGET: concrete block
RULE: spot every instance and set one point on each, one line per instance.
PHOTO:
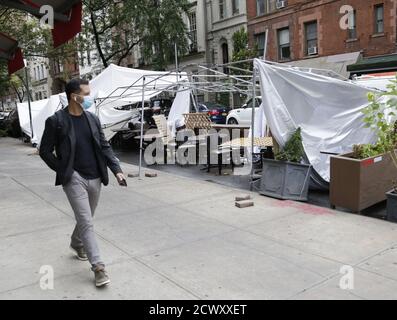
(150, 175)
(133, 175)
(243, 197)
(244, 204)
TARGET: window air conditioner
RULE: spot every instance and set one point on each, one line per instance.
(280, 4)
(312, 51)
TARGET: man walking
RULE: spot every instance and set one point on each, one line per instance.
(81, 158)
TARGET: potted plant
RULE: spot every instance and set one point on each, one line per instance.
(287, 177)
(362, 178)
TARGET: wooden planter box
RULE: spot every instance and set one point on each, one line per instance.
(359, 184)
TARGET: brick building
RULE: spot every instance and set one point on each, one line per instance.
(310, 30)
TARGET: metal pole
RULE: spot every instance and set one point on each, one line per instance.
(266, 41)
(253, 126)
(176, 62)
(142, 122)
(29, 105)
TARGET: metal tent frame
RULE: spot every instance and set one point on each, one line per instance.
(208, 79)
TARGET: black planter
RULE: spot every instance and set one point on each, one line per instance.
(391, 206)
(285, 180)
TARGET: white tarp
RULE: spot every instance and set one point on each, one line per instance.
(180, 106)
(41, 110)
(114, 87)
(373, 82)
(328, 110)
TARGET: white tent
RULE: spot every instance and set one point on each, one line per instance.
(41, 110)
(118, 86)
(328, 110)
(374, 82)
(114, 87)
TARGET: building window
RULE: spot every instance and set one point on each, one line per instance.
(284, 48)
(235, 7)
(222, 9)
(193, 31)
(260, 7)
(311, 38)
(225, 57)
(42, 71)
(265, 6)
(352, 30)
(379, 19)
(260, 40)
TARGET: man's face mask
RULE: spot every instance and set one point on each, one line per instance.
(87, 102)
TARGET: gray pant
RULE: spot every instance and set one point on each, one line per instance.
(83, 196)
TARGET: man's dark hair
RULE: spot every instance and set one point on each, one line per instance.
(73, 86)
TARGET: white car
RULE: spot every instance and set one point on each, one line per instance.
(243, 115)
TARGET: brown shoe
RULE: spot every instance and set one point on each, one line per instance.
(101, 277)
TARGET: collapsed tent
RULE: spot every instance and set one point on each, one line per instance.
(41, 110)
(328, 110)
(375, 82)
(118, 86)
(115, 87)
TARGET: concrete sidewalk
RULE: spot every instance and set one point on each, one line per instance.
(177, 238)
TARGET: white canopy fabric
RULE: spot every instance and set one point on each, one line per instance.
(41, 110)
(328, 110)
(114, 87)
(378, 83)
(118, 83)
(180, 106)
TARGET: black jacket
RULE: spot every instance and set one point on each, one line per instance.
(59, 136)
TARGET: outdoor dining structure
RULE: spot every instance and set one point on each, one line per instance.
(325, 107)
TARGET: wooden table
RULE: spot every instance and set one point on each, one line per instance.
(244, 129)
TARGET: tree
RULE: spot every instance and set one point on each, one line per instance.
(116, 27)
(35, 41)
(111, 26)
(242, 51)
(161, 26)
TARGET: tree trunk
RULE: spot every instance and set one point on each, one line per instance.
(97, 41)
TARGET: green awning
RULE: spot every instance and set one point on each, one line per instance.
(367, 65)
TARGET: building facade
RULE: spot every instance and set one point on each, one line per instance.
(211, 25)
(309, 29)
(40, 78)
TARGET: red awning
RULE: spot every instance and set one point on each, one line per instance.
(64, 31)
(9, 50)
(67, 15)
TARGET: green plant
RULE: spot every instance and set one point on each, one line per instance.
(378, 115)
(3, 133)
(293, 150)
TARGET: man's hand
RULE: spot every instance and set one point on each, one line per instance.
(121, 179)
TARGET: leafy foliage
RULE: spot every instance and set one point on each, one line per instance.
(242, 51)
(161, 25)
(114, 28)
(378, 117)
(293, 150)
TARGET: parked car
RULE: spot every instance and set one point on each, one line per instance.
(243, 115)
(10, 122)
(216, 112)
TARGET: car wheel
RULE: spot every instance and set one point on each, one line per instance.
(232, 121)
